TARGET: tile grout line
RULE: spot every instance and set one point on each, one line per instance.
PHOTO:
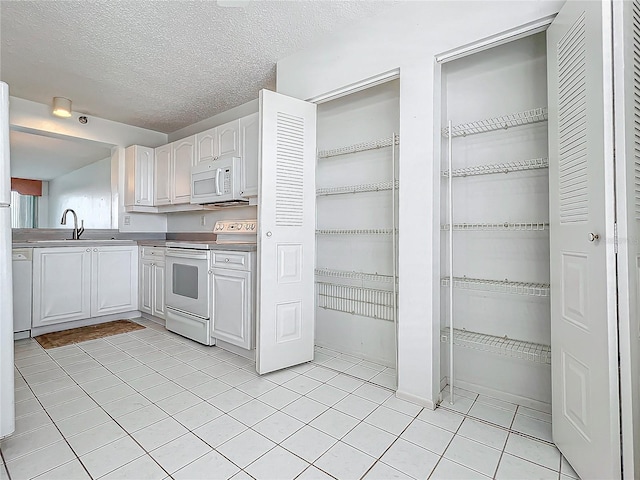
(54, 424)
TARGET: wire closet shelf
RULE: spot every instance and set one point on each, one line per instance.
(368, 187)
(492, 227)
(506, 167)
(364, 231)
(360, 147)
(502, 122)
(498, 286)
(366, 302)
(508, 347)
(352, 275)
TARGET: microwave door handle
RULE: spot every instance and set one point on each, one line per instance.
(218, 172)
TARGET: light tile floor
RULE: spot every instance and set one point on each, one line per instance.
(152, 405)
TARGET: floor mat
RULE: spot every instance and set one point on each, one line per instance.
(90, 332)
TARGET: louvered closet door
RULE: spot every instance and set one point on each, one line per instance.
(627, 75)
(585, 403)
(286, 237)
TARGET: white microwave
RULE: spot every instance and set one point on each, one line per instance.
(217, 181)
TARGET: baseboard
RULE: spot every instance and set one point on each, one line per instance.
(507, 397)
(243, 352)
(58, 327)
(157, 320)
(415, 399)
(356, 354)
(21, 335)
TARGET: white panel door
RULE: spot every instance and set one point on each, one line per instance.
(249, 151)
(61, 285)
(583, 297)
(114, 280)
(627, 108)
(159, 271)
(206, 145)
(144, 175)
(146, 287)
(228, 139)
(286, 237)
(183, 159)
(163, 175)
(231, 307)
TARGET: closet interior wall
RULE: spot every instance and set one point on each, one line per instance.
(500, 225)
(354, 244)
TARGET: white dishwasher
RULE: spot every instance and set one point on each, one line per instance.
(22, 291)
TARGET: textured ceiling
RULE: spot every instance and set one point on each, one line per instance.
(160, 65)
(45, 158)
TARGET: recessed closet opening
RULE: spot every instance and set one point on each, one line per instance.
(356, 237)
(495, 225)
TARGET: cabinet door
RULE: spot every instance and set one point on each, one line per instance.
(183, 159)
(249, 151)
(163, 175)
(61, 285)
(206, 145)
(158, 290)
(232, 312)
(114, 280)
(228, 139)
(146, 287)
(144, 176)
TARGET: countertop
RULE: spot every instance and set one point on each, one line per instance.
(233, 247)
(72, 243)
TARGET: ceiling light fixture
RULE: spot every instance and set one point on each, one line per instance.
(61, 107)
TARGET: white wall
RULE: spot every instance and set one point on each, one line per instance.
(408, 39)
(29, 116)
(211, 122)
(87, 191)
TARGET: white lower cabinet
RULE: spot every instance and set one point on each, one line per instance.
(234, 300)
(75, 283)
(61, 285)
(114, 280)
(152, 280)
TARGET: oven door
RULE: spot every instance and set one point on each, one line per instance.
(188, 284)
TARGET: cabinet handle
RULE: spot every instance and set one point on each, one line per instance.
(210, 272)
(95, 249)
(226, 260)
(593, 237)
(269, 234)
(137, 201)
(88, 249)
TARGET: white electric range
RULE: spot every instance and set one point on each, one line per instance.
(188, 285)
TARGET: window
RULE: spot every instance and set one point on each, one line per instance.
(24, 211)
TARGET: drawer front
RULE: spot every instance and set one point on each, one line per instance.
(150, 253)
(233, 260)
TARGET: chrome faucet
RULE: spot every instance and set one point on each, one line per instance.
(76, 231)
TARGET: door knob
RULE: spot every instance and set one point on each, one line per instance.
(269, 234)
(593, 237)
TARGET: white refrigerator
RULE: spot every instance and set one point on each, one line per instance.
(7, 399)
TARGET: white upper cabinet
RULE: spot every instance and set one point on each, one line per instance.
(163, 175)
(218, 141)
(228, 139)
(183, 159)
(139, 178)
(249, 127)
(206, 145)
